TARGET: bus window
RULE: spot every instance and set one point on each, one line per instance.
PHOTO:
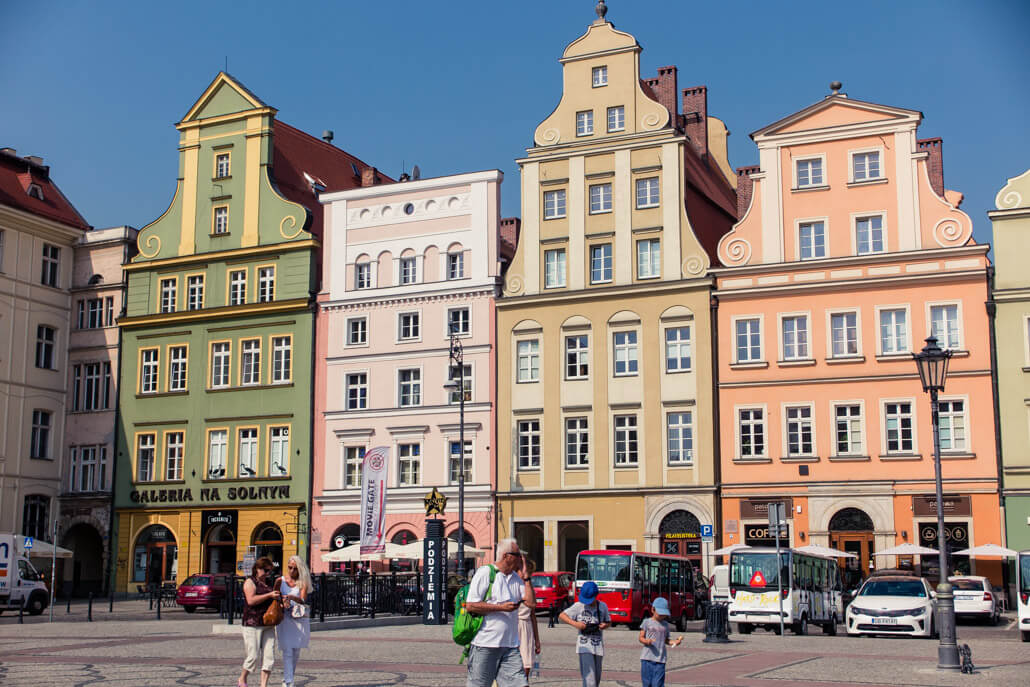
(675, 576)
(744, 565)
(603, 568)
(663, 575)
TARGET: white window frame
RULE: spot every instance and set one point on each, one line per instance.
(364, 339)
(967, 426)
(223, 464)
(764, 423)
(761, 339)
(852, 154)
(631, 458)
(175, 455)
(533, 446)
(808, 336)
(599, 76)
(266, 284)
(913, 413)
(178, 367)
(455, 265)
(169, 296)
(46, 347)
(649, 253)
(195, 292)
(679, 344)
(252, 444)
(50, 274)
(409, 455)
(795, 162)
(610, 268)
(237, 287)
(414, 326)
(362, 275)
(281, 445)
(604, 198)
(785, 410)
(555, 205)
(221, 220)
(532, 355)
(468, 458)
(415, 387)
(221, 173)
(830, 353)
(467, 383)
(249, 350)
(355, 381)
(577, 442)
(146, 441)
(43, 424)
(149, 370)
(648, 190)
(629, 352)
(834, 446)
(581, 353)
(680, 428)
(959, 319)
(619, 112)
(811, 221)
(221, 365)
(907, 348)
(855, 218)
(407, 270)
(464, 331)
(555, 268)
(352, 466)
(282, 359)
(585, 123)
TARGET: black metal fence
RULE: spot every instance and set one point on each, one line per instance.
(341, 594)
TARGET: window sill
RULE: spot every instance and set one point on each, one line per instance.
(802, 189)
(527, 381)
(959, 353)
(584, 378)
(889, 357)
(160, 483)
(745, 461)
(225, 178)
(800, 459)
(163, 394)
(601, 282)
(243, 478)
(628, 466)
(601, 212)
(755, 365)
(623, 375)
(649, 277)
(867, 182)
(41, 458)
(248, 387)
(902, 456)
(217, 234)
(577, 468)
(680, 466)
(548, 219)
(356, 345)
(845, 359)
(521, 469)
(958, 455)
(678, 372)
(648, 207)
(89, 411)
(555, 287)
(799, 362)
(849, 458)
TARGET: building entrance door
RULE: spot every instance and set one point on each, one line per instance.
(851, 531)
(681, 536)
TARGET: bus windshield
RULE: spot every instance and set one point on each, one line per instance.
(602, 568)
(1024, 572)
(744, 565)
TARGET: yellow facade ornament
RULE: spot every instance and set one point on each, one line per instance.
(293, 223)
(153, 246)
(435, 502)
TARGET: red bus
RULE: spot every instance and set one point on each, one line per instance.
(629, 580)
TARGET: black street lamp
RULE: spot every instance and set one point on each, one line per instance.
(932, 363)
(457, 364)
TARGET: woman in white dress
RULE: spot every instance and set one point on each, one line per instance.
(295, 629)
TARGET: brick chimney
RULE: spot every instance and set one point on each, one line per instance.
(509, 236)
(370, 177)
(664, 87)
(745, 187)
(695, 117)
(934, 163)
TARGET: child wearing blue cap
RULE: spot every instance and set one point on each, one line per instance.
(590, 617)
(654, 635)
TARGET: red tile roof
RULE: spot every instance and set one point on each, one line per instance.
(17, 173)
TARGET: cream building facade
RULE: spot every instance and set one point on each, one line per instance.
(605, 402)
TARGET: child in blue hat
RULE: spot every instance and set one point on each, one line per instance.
(654, 635)
(590, 617)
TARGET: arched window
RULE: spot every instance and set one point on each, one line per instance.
(344, 536)
(268, 539)
(155, 556)
(851, 520)
(404, 537)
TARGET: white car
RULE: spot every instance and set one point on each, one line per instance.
(893, 605)
(974, 598)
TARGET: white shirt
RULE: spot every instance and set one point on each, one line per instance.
(499, 629)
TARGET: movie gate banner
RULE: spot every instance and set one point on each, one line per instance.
(373, 500)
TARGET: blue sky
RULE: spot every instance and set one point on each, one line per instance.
(95, 87)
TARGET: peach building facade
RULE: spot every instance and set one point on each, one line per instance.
(403, 263)
(848, 254)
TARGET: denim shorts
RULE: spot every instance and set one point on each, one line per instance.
(503, 665)
(652, 673)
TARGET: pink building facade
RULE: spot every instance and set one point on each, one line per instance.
(848, 254)
(403, 264)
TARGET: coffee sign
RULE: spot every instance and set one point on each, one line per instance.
(950, 505)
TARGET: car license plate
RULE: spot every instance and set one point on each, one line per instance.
(189, 594)
(885, 621)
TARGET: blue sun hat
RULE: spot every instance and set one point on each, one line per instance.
(661, 606)
(587, 593)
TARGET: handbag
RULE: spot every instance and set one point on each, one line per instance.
(298, 610)
(274, 614)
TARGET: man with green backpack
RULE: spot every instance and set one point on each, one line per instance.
(488, 620)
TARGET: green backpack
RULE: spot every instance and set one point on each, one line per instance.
(466, 625)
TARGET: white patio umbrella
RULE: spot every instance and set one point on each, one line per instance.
(906, 549)
(987, 551)
(414, 551)
(824, 551)
(727, 550)
(353, 553)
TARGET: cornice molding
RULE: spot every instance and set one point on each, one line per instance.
(216, 256)
(232, 311)
(401, 299)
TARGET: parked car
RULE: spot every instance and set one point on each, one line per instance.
(553, 589)
(202, 591)
(975, 598)
(897, 604)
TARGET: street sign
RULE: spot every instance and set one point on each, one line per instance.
(707, 533)
(778, 520)
(28, 543)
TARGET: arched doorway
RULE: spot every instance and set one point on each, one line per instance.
(573, 537)
(343, 537)
(268, 541)
(402, 538)
(530, 536)
(680, 533)
(155, 556)
(87, 547)
(452, 552)
(221, 550)
(851, 530)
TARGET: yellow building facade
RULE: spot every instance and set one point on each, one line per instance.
(605, 401)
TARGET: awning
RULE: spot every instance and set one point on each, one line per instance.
(825, 551)
(40, 549)
(907, 550)
(987, 551)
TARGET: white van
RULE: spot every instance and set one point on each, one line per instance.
(1023, 594)
(720, 584)
(19, 581)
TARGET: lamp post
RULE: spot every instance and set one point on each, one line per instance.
(932, 363)
(457, 360)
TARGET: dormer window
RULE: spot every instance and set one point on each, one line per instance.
(36, 191)
(600, 76)
(585, 123)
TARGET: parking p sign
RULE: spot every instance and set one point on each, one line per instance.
(707, 533)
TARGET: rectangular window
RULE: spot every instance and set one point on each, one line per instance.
(626, 447)
(625, 353)
(354, 457)
(677, 349)
(221, 220)
(168, 294)
(195, 292)
(529, 361)
(649, 259)
(177, 361)
(106, 387)
(465, 382)
(849, 429)
(680, 434)
(529, 444)
(811, 240)
(799, 431)
(953, 425)
(869, 235)
(865, 166)
(944, 325)
(458, 322)
(363, 275)
(222, 165)
(410, 388)
(357, 331)
(80, 323)
(599, 76)
(752, 432)
(843, 334)
(145, 456)
(45, 341)
(795, 337)
(647, 193)
(237, 287)
(220, 359)
(893, 332)
(408, 326)
(585, 123)
(51, 265)
(39, 441)
(174, 449)
(247, 451)
(409, 271)
(554, 204)
(601, 263)
(91, 313)
(458, 462)
(109, 311)
(577, 443)
(282, 359)
(278, 451)
(749, 340)
(87, 468)
(266, 284)
(250, 362)
(898, 420)
(617, 118)
(357, 391)
(148, 371)
(600, 198)
(92, 396)
(455, 265)
(409, 458)
(76, 387)
(809, 172)
(577, 357)
(554, 268)
(217, 453)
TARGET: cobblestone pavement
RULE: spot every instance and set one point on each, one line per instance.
(131, 650)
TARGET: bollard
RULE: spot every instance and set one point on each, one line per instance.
(230, 603)
(89, 609)
(717, 624)
(321, 597)
(110, 601)
(69, 608)
(158, 607)
(150, 599)
(21, 612)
